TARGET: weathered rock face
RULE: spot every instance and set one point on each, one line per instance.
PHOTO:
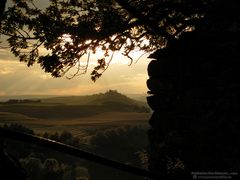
(195, 91)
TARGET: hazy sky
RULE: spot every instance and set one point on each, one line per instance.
(17, 79)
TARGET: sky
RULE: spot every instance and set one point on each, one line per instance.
(18, 79)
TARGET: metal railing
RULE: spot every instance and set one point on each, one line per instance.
(70, 150)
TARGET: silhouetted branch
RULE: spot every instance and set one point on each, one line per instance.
(20, 37)
(2, 7)
(151, 26)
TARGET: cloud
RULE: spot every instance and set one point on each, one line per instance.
(6, 71)
(121, 78)
(18, 79)
(5, 55)
(2, 93)
(23, 80)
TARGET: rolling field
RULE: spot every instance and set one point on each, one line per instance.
(78, 126)
(80, 115)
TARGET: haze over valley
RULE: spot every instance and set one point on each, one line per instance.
(74, 113)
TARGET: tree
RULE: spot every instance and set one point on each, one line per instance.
(52, 169)
(71, 29)
(34, 167)
(2, 7)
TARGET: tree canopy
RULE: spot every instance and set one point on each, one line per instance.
(69, 29)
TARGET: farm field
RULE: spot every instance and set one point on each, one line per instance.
(81, 115)
(77, 126)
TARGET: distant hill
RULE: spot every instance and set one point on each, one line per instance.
(139, 97)
(111, 96)
(21, 97)
(74, 106)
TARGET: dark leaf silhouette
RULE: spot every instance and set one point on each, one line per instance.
(68, 30)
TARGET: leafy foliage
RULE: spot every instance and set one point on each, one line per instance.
(68, 30)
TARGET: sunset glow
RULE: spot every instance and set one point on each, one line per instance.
(17, 78)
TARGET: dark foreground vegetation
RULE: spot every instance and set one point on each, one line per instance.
(107, 124)
(125, 144)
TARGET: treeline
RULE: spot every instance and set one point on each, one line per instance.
(124, 144)
(21, 101)
(64, 137)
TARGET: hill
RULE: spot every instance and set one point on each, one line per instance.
(95, 99)
(139, 97)
(19, 97)
(74, 106)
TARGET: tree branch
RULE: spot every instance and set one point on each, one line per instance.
(152, 27)
(20, 37)
(2, 8)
